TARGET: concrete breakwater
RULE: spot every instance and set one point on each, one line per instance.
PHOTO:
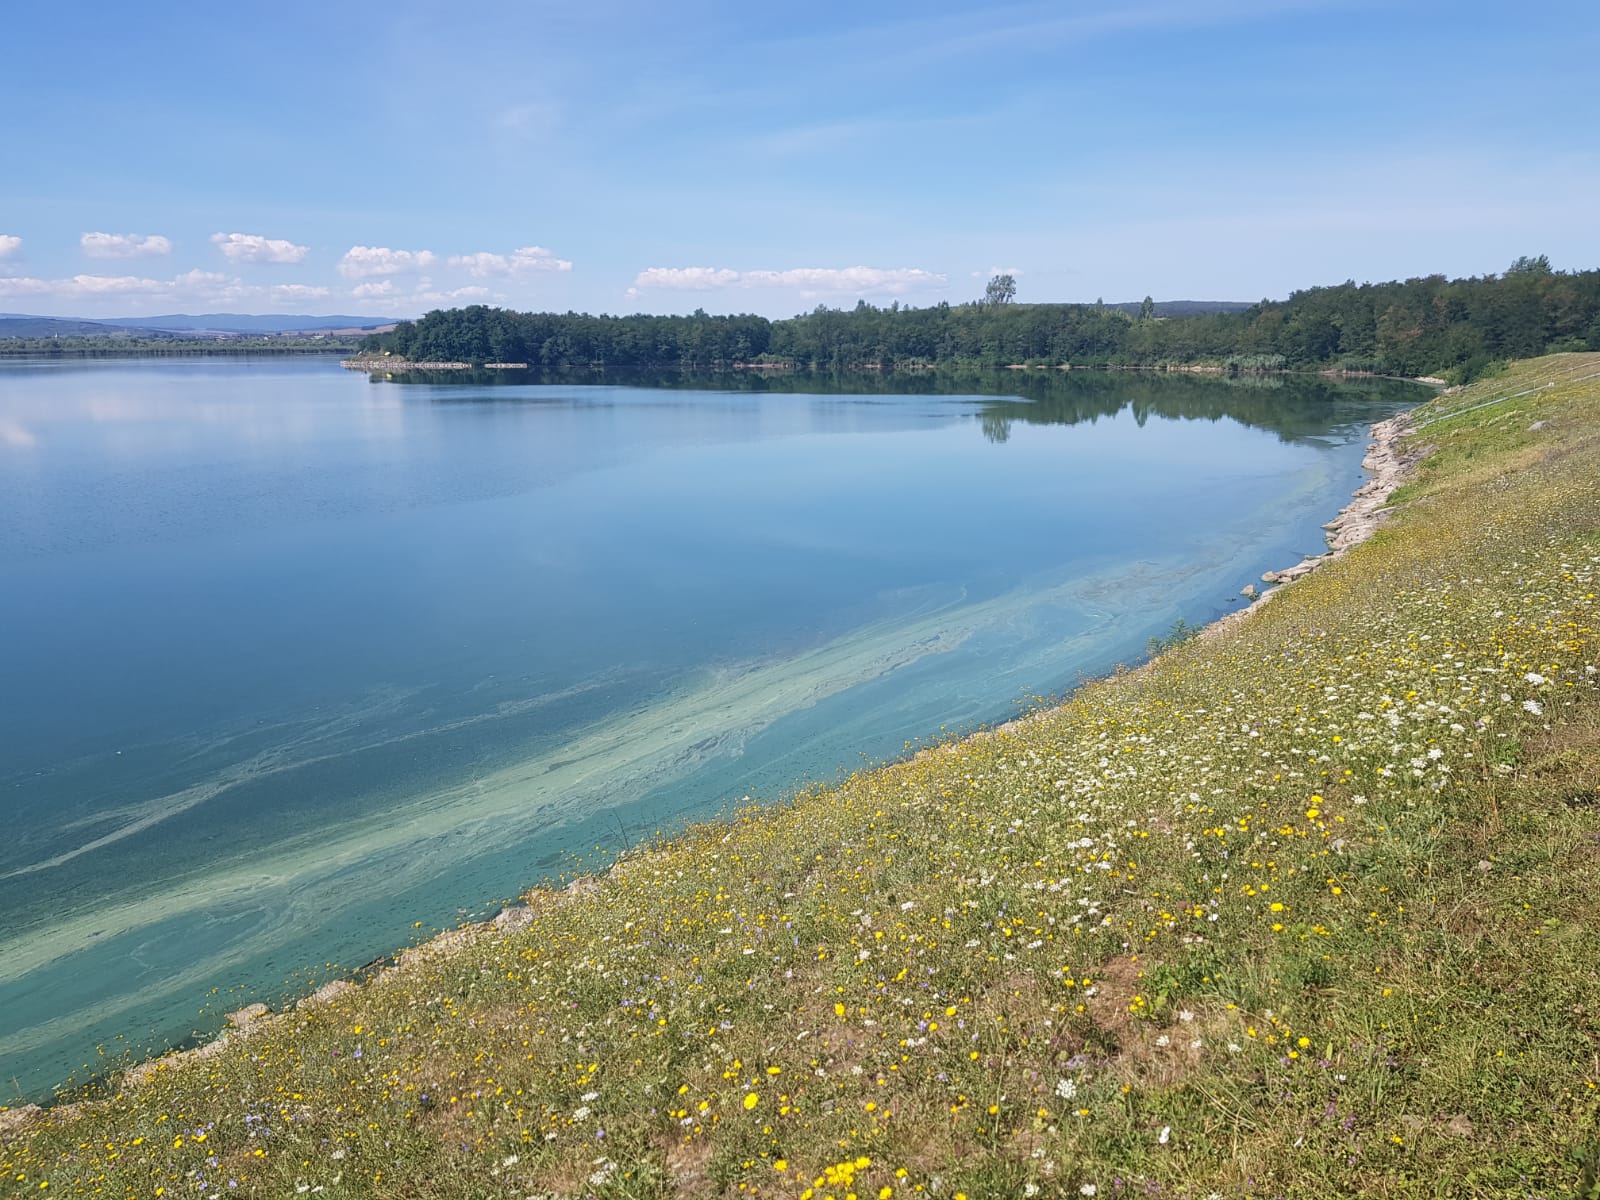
(389, 365)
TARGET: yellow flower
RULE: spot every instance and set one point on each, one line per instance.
(780, 1164)
(751, 1100)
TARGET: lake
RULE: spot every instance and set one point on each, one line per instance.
(295, 658)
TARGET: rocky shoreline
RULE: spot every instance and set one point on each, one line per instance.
(1391, 466)
(1357, 521)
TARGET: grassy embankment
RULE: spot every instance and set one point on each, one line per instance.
(1304, 909)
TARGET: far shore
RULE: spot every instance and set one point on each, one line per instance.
(381, 365)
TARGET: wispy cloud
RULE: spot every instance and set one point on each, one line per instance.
(253, 248)
(294, 293)
(9, 244)
(990, 273)
(124, 245)
(460, 295)
(527, 260)
(809, 281)
(422, 295)
(363, 262)
(207, 287)
(528, 121)
(83, 286)
(1026, 28)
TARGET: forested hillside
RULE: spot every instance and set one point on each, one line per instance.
(1425, 326)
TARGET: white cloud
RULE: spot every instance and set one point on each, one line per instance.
(361, 262)
(201, 280)
(695, 279)
(124, 245)
(384, 296)
(525, 260)
(1016, 272)
(12, 286)
(192, 287)
(112, 285)
(253, 248)
(9, 244)
(809, 281)
(290, 293)
(457, 294)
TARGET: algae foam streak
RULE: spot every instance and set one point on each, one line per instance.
(295, 658)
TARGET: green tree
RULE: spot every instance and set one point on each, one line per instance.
(1002, 289)
(1537, 265)
(1147, 309)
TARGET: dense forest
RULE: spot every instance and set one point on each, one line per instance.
(1454, 328)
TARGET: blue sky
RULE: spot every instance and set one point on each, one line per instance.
(618, 155)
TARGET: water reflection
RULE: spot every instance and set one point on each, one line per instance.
(1295, 407)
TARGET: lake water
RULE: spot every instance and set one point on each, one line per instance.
(293, 658)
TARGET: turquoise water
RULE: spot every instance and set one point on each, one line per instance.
(294, 658)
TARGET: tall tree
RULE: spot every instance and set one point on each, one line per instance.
(1002, 289)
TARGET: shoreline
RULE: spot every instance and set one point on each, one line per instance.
(392, 366)
(1389, 466)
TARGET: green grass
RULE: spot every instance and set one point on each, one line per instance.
(1302, 909)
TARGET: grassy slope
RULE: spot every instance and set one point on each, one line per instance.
(1302, 909)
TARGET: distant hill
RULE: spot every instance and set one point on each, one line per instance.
(206, 325)
(17, 325)
(1184, 308)
(248, 324)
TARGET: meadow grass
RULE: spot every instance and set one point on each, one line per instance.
(1301, 909)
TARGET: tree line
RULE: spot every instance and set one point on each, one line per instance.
(1432, 325)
